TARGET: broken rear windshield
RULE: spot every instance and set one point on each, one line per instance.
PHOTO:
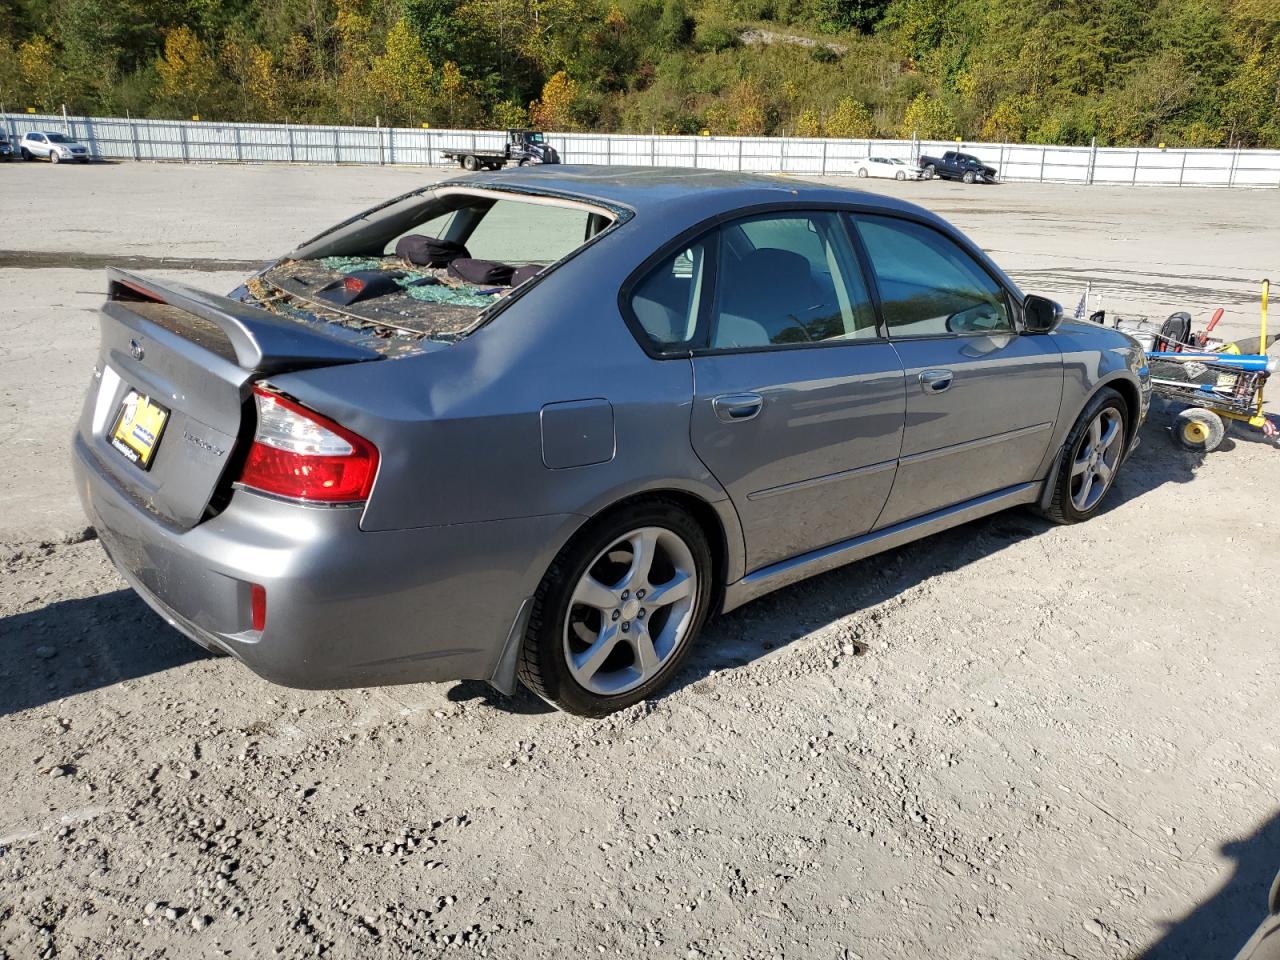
(428, 265)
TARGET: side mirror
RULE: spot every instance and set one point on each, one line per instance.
(1040, 314)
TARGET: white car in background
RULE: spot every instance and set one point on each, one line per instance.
(55, 147)
(890, 169)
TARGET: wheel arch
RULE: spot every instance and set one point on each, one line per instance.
(718, 520)
(1132, 399)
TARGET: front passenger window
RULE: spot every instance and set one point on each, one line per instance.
(928, 285)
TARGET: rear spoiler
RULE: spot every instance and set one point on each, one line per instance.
(262, 341)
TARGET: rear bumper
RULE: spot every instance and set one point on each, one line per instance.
(345, 607)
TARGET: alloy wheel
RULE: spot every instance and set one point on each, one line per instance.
(1096, 457)
(630, 611)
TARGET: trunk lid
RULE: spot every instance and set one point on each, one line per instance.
(196, 355)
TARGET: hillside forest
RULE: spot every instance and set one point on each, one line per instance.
(1181, 72)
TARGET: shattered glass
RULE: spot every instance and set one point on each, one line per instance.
(447, 289)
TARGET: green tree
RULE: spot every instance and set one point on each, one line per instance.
(851, 120)
(401, 78)
(929, 118)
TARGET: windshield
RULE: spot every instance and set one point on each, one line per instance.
(58, 138)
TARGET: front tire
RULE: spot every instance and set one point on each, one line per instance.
(55, 156)
(1092, 457)
(968, 176)
(862, 173)
(899, 175)
(619, 609)
(26, 154)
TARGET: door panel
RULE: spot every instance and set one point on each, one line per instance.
(816, 463)
(981, 398)
(987, 430)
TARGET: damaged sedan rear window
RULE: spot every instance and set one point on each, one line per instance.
(426, 266)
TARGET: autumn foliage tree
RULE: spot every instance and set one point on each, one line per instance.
(188, 74)
(554, 109)
(1186, 72)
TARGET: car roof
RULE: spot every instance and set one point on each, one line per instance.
(686, 194)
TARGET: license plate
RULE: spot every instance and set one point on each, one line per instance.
(138, 427)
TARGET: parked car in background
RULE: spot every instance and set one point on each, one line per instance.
(708, 386)
(890, 168)
(954, 165)
(6, 148)
(54, 147)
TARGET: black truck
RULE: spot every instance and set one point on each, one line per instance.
(523, 147)
(954, 165)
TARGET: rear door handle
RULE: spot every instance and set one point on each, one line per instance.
(735, 407)
(936, 381)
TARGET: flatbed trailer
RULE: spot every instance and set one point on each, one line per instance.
(523, 147)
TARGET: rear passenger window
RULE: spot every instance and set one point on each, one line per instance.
(665, 303)
(928, 285)
(786, 279)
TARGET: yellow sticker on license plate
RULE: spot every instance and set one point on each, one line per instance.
(138, 428)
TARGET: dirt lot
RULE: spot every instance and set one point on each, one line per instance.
(1011, 740)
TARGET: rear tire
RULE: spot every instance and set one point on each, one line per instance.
(1199, 430)
(588, 649)
(470, 163)
(862, 173)
(930, 172)
(26, 154)
(1091, 455)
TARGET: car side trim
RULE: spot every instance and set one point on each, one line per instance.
(786, 572)
(826, 478)
(980, 442)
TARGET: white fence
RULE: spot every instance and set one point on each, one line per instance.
(190, 141)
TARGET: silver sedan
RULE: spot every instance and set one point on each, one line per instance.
(538, 427)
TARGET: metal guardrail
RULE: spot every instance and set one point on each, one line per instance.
(124, 138)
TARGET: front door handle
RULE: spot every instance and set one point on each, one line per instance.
(936, 381)
(736, 407)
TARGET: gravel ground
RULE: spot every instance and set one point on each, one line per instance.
(1010, 740)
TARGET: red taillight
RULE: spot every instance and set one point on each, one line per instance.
(257, 606)
(298, 453)
(353, 284)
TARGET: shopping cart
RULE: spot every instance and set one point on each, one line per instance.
(1217, 386)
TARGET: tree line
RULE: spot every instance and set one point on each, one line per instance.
(1183, 72)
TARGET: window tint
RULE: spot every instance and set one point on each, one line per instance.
(666, 301)
(928, 285)
(788, 279)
